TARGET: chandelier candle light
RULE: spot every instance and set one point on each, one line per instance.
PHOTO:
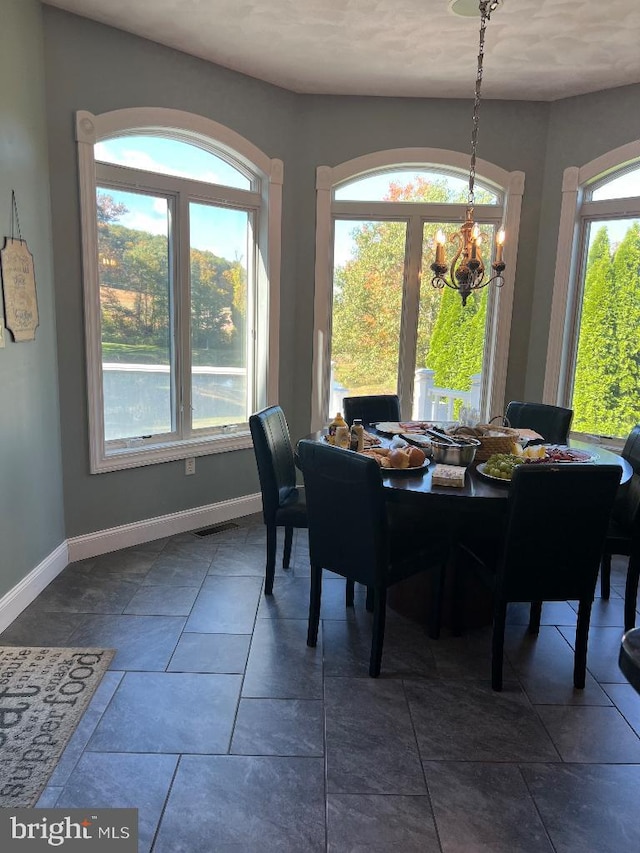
(467, 271)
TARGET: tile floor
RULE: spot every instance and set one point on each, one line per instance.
(229, 734)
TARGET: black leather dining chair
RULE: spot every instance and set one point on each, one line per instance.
(376, 407)
(552, 422)
(283, 503)
(623, 536)
(556, 524)
(352, 533)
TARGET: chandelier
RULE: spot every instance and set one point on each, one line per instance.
(467, 270)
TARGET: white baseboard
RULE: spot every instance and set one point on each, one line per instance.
(115, 538)
(23, 593)
(103, 541)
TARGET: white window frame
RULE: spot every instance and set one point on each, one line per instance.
(576, 211)
(508, 185)
(265, 198)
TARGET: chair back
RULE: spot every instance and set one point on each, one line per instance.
(556, 526)
(626, 510)
(552, 422)
(274, 455)
(346, 511)
(377, 407)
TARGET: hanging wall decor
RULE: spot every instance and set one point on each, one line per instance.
(19, 283)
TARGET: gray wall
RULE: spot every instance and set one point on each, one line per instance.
(580, 129)
(97, 68)
(31, 516)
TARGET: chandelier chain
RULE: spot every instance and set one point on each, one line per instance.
(486, 8)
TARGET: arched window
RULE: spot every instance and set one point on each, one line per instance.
(593, 360)
(181, 231)
(380, 325)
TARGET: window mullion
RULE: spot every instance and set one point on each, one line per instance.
(182, 297)
(409, 318)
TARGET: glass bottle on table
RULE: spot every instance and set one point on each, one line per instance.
(357, 435)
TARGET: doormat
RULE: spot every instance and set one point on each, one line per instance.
(43, 694)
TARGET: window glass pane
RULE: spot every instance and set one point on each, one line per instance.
(624, 186)
(170, 157)
(605, 396)
(367, 299)
(450, 345)
(219, 240)
(133, 263)
(417, 185)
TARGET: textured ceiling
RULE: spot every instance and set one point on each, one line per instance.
(536, 49)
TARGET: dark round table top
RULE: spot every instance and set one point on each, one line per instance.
(405, 487)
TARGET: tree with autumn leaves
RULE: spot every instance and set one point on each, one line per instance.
(368, 301)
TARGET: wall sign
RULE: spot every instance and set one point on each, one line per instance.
(19, 284)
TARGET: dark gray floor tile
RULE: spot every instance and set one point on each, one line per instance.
(178, 570)
(370, 743)
(480, 806)
(190, 544)
(132, 563)
(553, 613)
(48, 797)
(169, 712)
(468, 721)
(358, 823)
(588, 808)
(162, 601)
(605, 612)
(290, 600)
(211, 653)
(33, 627)
(591, 735)
(142, 642)
(244, 803)
(347, 647)
(225, 606)
(627, 701)
(544, 667)
(281, 665)
(242, 560)
(468, 656)
(87, 594)
(122, 781)
(85, 728)
(602, 652)
(278, 727)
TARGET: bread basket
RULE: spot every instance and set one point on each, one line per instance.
(501, 443)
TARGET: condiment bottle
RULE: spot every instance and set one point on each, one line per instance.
(342, 437)
(338, 421)
(357, 435)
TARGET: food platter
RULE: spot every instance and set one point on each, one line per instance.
(481, 470)
(406, 471)
(409, 427)
(418, 439)
(560, 454)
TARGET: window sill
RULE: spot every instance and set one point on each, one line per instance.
(127, 457)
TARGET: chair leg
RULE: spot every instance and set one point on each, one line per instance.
(379, 616)
(497, 643)
(605, 576)
(370, 600)
(582, 636)
(535, 614)
(350, 593)
(288, 542)
(315, 597)
(272, 539)
(631, 592)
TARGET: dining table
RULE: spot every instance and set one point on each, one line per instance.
(478, 506)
